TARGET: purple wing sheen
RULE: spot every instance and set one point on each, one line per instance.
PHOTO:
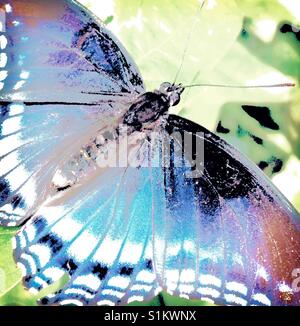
(54, 57)
(225, 236)
(57, 51)
(233, 235)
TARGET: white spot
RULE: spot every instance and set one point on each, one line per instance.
(11, 125)
(131, 253)
(19, 84)
(3, 60)
(266, 29)
(184, 288)
(8, 8)
(15, 109)
(3, 42)
(66, 228)
(71, 291)
(237, 287)
(284, 288)
(259, 297)
(82, 246)
(135, 298)
(59, 180)
(90, 281)
(145, 276)
(189, 246)
(31, 263)
(3, 75)
(187, 276)
(184, 296)
(1, 85)
(16, 23)
(261, 272)
(51, 213)
(43, 253)
(172, 279)
(113, 293)
(71, 301)
(105, 303)
(11, 224)
(54, 273)
(172, 275)
(119, 282)
(232, 298)
(207, 299)
(108, 251)
(209, 291)
(40, 281)
(173, 250)
(171, 286)
(140, 287)
(24, 74)
(207, 279)
(157, 291)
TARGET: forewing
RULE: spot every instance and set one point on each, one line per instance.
(57, 51)
(64, 76)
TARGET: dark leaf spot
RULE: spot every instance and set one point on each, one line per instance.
(262, 114)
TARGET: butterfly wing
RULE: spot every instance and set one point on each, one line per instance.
(99, 235)
(228, 235)
(35, 141)
(55, 57)
(54, 48)
(224, 235)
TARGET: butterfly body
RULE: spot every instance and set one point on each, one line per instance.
(124, 227)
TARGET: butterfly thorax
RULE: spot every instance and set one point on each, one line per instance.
(150, 106)
(145, 114)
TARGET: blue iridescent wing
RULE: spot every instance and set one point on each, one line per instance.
(225, 236)
(100, 235)
(36, 140)
(57, 51)
(62, 76)
(228, 236)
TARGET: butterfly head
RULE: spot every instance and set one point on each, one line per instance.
(172, 92)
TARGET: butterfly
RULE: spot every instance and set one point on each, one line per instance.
(186, 213)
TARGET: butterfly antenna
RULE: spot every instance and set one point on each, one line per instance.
(188, 42)
(242, 86)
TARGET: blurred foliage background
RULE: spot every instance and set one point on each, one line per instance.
(233, 42)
